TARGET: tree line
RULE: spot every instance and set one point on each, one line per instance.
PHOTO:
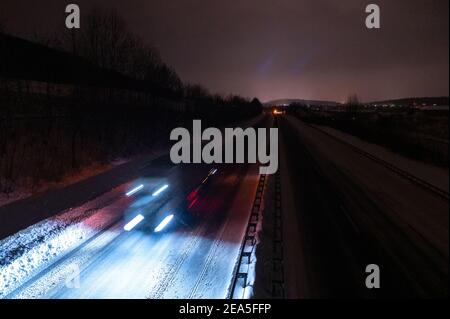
(45, 137)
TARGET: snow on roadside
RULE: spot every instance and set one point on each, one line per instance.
(437, 176)
(27, 252)
(27, 191)
(17, 195)
(249, 266)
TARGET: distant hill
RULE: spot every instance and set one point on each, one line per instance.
(416, 101)
(410, 101)
(281, 102)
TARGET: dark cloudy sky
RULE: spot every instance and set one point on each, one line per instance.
(312, 49)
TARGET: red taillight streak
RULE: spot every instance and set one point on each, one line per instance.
(193, 203)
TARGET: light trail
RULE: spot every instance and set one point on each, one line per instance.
(133, 223)
(160, 190)
(163, 224)
(135, 190)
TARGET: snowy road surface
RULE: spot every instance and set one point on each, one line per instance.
(88, 254)
(340, 211)
(346, 211)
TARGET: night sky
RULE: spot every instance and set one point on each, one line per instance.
(311, 49)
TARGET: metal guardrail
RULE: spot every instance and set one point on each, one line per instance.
(420, 182)
(277, 261)
(249, 242)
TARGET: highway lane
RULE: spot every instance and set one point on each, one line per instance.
(343, 211)
(193, 258)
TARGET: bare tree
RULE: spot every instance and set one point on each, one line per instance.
(353, 103)
(106, 41)
(196, 92)
(352, 99)
(2, 26)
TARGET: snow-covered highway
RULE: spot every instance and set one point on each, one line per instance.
(86, 253)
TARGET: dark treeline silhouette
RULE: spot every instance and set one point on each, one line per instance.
(95, 95)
